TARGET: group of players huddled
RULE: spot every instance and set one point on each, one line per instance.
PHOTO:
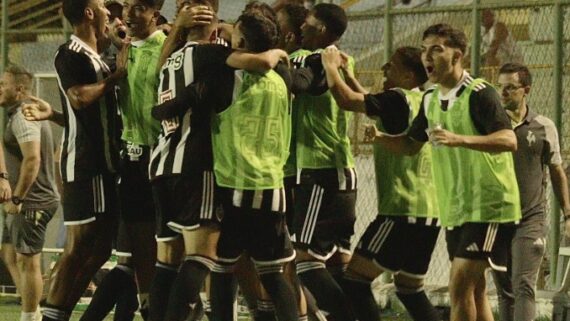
(219, 155)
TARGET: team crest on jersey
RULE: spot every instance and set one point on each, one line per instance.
(176, 61)
(170, 125)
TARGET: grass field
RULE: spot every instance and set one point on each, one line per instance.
(10, 311)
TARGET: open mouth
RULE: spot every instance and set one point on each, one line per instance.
(430, 69)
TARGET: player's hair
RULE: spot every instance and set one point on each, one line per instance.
(455, 38)
(296, 15)
(525, 78)
(213, 3)
(259, 32)
(74, 10)
(412, 58)
(333, 17)
(156, 4)
(262, 8)
(21, 75)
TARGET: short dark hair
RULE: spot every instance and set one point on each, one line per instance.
(259, 32)
(21, 75)
(262, 8)
(525, 78)
(74, 10)
(213, 3)
(333, 17)
(156, 4)
(296, 15)
(412, 58)
(455, 38)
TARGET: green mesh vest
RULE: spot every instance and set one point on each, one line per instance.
(322, 132)
(471, 186)
(404, 183)
(139, 92)
(251, 137)
(291, 164)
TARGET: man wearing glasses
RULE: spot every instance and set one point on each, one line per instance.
(538, 148)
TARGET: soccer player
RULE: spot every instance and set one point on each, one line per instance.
(253, 33)
(472, 165)
(326, 195)
(538, 148)
(183, 183)
(403, 236)
(135, 246)
(90, 152)
(29, 158)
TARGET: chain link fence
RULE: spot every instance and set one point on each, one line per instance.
(532, 40)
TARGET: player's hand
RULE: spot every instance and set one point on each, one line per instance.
(5, 190)
(12, 209)
(371, 133)
(189, 16)
(345, 66)
(123, 60)
(331, 58)
(36, 109)
(277, 55)
(444, 137)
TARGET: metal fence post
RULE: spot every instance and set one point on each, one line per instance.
(476, 41)
(388, 33)
(4, 44)
(558, 64)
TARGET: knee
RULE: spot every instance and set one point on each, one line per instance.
(407, 284)
(26, 262)
(170, 252)
(524, 287)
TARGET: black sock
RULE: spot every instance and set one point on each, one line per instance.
(418, 305)
(223, 292)
(265, 311)
(281, 294)
(108, 293)
(53, 313)
(160, 288)
(325, 289)
(127, 303)
(361, 298)
(186, 289)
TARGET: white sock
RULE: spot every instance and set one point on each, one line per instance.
(28, 316)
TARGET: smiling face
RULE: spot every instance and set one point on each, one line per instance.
(140, 18)
(312, 30)
(100, 18)
(512, 92)
(439, 59)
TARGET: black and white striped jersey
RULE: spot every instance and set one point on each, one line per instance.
(184, 145)
(90, 142)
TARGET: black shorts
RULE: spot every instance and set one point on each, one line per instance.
(84, 200)
(185, 203)
(135, 190)
(400, 244)
(325, 211)
(26, 231)
(254, 221)
(481, 241)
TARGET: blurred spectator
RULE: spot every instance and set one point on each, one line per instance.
(278, 4)
(497, 45)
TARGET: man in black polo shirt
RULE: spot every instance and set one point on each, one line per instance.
(538, 148)
(89, 155)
